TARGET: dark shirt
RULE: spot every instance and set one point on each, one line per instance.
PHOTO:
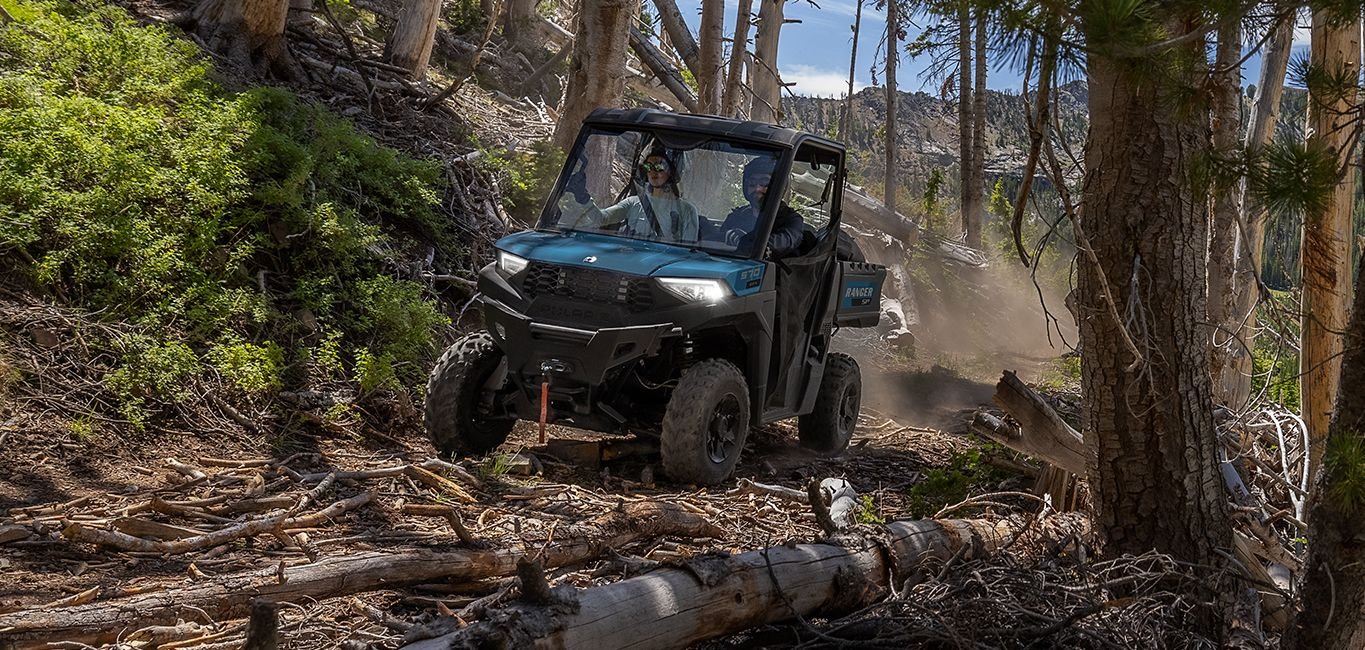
(787, 231)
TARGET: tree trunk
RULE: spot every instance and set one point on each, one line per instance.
(847, 118)
(248, 33)
(967, 201)
(1225, 111)
(710, 34)
(1265, 112)
(1042, 433)
(767, 87)
(892, 102)
(230, 596)
(1334, 584)
(597, 76)
(1148, 420)
(413, 36)
(739, 54)
(972, 223)
(713, 596)
(517, 25)
(679, 35)
(1325, 252)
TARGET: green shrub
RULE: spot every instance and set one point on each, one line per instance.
(943, 486)
(247, 366)
(143, 190)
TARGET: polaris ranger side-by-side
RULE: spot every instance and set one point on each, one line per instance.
(662, 294)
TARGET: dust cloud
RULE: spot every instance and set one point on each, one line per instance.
(970, 324)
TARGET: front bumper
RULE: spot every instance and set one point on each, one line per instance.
(581, 365)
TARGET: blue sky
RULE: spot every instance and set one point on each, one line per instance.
(814, 53)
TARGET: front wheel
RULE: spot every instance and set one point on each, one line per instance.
(828, 429)
(705, 423)
(460, 393)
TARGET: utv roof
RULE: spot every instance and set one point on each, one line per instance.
(705, 124)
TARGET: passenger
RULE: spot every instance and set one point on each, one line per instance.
(740, 224)
(661, 215)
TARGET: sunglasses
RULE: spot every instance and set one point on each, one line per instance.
(758, 181)
(654, 167)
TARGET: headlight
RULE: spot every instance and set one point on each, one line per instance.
(696, 290)
(510, 264)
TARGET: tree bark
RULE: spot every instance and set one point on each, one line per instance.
(711, 33)
(231, 596)
(597, 76)
(249, 33)
(977, 186)
(679, 35)
(1225, 111)
(1148, 420)
(714, 596)
(739, 54)
(970, 211)
(1325, 252)
(1265, 112)
(1334, 585)
(766, 86)
(892, 102)
(414, 35)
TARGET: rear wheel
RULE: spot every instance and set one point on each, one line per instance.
(705, 423)
(828, 429)
(460, 394)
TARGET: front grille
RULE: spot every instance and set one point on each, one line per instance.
(591, 285)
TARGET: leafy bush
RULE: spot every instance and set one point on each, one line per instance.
(141, 189)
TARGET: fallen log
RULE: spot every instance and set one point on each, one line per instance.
(1042, 433)
(712, 596)
(226, 597)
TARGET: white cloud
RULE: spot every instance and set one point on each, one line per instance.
(817, 82)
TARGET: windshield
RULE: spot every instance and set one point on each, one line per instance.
(675, 190)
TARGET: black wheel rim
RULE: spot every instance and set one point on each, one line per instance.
(848, 410)
(722, 432)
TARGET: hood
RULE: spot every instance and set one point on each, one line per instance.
(636, 257)
(593, 251)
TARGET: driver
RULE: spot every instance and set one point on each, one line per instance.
(660, 215)
(740, 225)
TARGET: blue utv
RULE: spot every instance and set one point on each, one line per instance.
(683, 282)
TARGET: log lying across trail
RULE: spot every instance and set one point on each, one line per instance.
(231, 596)
(711, 596)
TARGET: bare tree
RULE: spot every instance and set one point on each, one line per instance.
(765, 83)
(1325, 251)
(892, 100)
(414, 34)
(1225, 111)
(679, 35)
(1250, 247)
(846, 119)
(710, 35)
(971, 214)
(739, 55)
(597, 76)
(977, 185)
